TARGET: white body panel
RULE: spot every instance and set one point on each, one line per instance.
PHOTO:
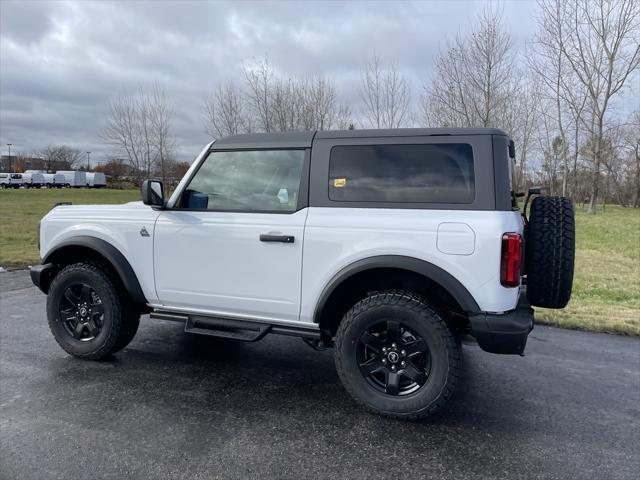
(214, 262)
(338, 237)
(74, 178)
(119, 225)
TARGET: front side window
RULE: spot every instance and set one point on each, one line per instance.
(414, 173)
(257, 180)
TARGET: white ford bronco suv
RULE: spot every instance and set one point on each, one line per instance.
(387, 245)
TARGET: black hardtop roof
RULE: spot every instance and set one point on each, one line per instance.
(304, 139)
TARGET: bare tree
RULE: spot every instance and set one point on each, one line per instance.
(344, 117)
(226, 112)
(551, 69)
(138, 128)
(160, 114)
(521, 120)
(475, 78)
(55, 156)
(259, 78)
(272, 102)
(601, 44)
(630, 146)
(322, 99)
(385, 93)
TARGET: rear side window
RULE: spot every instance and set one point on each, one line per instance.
(416, 173)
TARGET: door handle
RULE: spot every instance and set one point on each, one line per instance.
(277, 238)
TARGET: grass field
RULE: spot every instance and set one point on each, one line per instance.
(606, 289)
(606, 286)
(21, 210)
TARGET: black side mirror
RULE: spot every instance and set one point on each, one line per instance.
(152, 193)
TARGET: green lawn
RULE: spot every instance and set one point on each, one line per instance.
(606, 288)
(21, 210)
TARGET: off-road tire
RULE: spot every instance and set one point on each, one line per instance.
(411, 310)
(550, 252)
(129, 326)
(119, 322)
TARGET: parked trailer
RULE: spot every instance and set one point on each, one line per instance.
(33, 180)
(74, 178)
(96, 180)
(54, 180)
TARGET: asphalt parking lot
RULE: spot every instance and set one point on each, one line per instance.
(175, 406)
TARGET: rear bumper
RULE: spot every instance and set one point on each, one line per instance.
(504, 333)
(41, 276)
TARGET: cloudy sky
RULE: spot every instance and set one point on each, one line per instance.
(61, 62)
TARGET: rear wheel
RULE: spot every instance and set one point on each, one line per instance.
(396, 355)
(88, 314)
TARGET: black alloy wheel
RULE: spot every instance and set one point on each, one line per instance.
(89, 312)
(396, 355)
(393, 358)
(81, 312)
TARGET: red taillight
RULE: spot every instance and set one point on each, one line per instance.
(510, 260)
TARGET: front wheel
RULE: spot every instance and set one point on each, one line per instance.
(396, 355)
(88, 312)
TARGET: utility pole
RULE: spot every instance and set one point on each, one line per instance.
(9, 145)
(88, 154)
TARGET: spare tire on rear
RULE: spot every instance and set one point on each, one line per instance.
(550, 252)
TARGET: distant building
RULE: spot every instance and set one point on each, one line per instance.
(21, 163)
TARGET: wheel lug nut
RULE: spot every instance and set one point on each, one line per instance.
(393, 367)
(384, 349)
(393, 345)
(384, 360)
(402, 364)
(403, 353)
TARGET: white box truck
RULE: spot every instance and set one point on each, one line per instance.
(33, 180)
(96, 180)
(74, 178)
(54, 180)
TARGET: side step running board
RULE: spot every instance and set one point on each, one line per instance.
(227, 328)
(243, 330)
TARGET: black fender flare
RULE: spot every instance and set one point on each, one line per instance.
(422, 267)
(112, 255)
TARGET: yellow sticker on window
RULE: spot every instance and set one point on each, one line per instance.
(339, 182)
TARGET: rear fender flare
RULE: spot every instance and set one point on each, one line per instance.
(447, 281)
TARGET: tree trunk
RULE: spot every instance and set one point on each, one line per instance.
(636, 199)
(595, 179)
(576, 147)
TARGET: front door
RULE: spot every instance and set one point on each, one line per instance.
(232, 245)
